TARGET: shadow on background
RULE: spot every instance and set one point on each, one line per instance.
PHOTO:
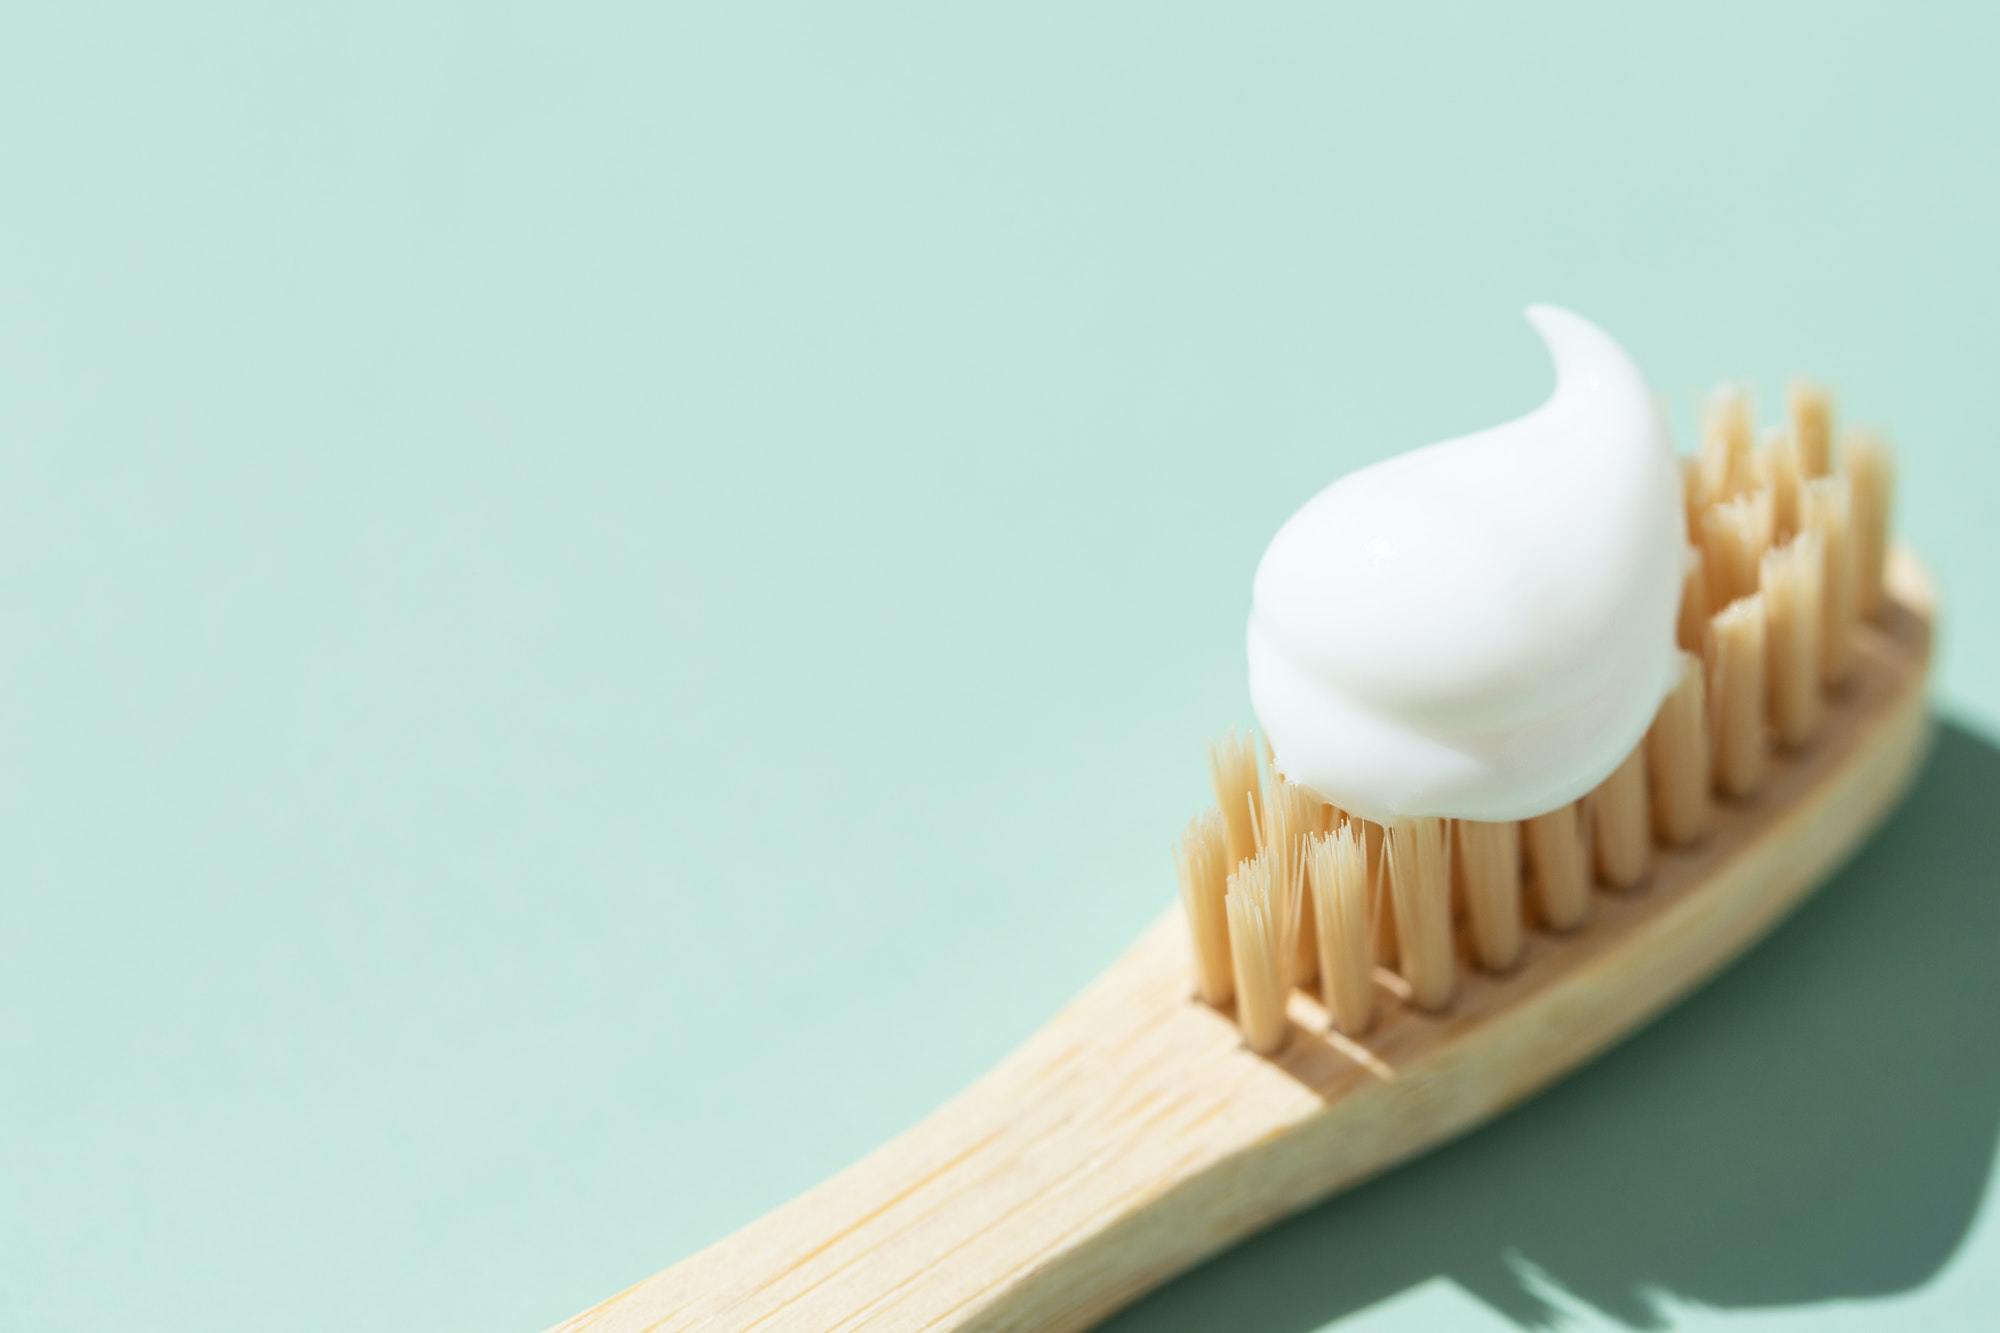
(1817, 1123)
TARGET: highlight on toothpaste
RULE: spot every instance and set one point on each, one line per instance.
(1482, 628)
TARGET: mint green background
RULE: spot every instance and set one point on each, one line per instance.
(604, 604)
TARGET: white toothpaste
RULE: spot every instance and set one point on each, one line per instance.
(1481, 628)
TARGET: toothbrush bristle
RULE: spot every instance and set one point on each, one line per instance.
(1374, 839)
(1619, 819)
(1232, 768)
(1811, 410)
(1558, 870)
(1793, 578)
(1202, 857)
(1337, 866)
(1864, 457)
(1419, 874)
(1262, 920)
(1735, 534)
(1728, 427)
(1825, 511)
(1736, 693)
(1677, 759)
(1488, 869)
(1787, 555)
(1291, 815)
(1779, 473)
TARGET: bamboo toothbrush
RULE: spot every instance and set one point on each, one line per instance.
(1334, 996)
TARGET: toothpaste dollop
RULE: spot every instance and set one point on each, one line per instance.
(1482, 628)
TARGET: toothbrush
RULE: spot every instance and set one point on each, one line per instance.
(1338, 994)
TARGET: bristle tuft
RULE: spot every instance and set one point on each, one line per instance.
(1375, 849)
(1232, 768)
(1736, 692)
(1727, 431)
(1735, 535)
(1263, 919)
(1677, 759)
(1419, 872)
(1338, 875)
(1794, 592)
(1871, 475)
(1558, 868)
(1623, 840)
(1488, 871)
(1778, 472)
(1825, 512)
(1811, 411)
(1202, 857)
(1291, 815)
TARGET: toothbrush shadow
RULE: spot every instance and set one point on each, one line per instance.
(1817, 1123)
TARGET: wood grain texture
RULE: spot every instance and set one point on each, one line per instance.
(1135, 1135)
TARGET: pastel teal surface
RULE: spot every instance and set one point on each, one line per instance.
(602, 605)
